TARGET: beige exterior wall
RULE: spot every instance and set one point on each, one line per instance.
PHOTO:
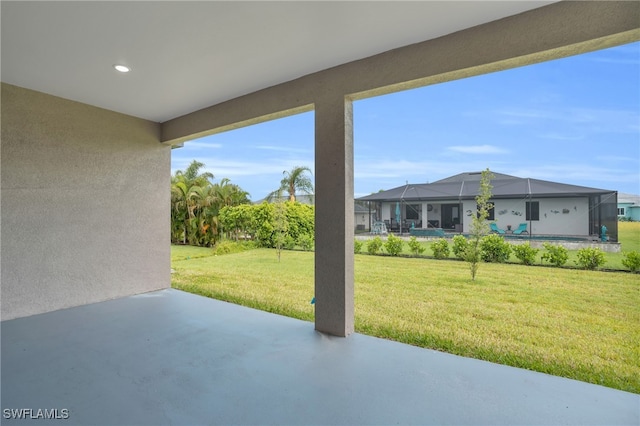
(85, 204)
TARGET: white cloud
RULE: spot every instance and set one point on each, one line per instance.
(577, 174)
(586, 120)
(477, 149)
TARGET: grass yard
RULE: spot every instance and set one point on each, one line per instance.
(579, 324)
(629, 235)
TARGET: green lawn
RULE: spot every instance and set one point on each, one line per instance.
(579, 324)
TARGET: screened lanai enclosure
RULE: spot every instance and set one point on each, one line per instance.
(523, 207)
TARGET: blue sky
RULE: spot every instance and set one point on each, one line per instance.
(574, 120)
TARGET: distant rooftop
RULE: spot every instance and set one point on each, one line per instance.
(628, 198)
(473, 177)
(466, 186)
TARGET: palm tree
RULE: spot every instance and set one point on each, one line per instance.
(196, 202)
(186, 196)
(293, 180)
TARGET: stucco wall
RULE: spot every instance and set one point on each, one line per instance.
(554, 217)
(85, 204)
(362, 219)
(568, 216)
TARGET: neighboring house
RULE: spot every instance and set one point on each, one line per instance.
(548, 208)
(364, 216)
(629, 207)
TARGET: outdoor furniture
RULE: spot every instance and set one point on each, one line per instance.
(379, 228)
(521, 228)
(494, 228)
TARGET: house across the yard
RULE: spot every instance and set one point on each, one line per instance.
(629, 207)
(547, 208)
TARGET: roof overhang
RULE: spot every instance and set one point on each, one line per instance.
(185, 56)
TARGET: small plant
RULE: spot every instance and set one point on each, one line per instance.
(415, 246)
(632, 261)
(224, 247)
(555, 255)
(479, 227)
(459, 246)
(440, 248)
(393, 245)
(289, 243)
(306, 241)
(590, 258)
(493, 248)
(357, 246)
(374, 245)
(525, 253)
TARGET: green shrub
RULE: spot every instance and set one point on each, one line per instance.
(224, 247)
(227, 247)
(556, 255)
(459, 247)
(440, 248)
(357, 246)
(631, 261)
(262, 222)
(415, 246)
(374, 245)
(306, 241)
(393, 245)
(590, 258)
(493, 248)
(289, 243)
(525, 253)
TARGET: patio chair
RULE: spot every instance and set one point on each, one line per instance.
(494, 228)
(379, 228)
(521, 228)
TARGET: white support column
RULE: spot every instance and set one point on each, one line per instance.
(334, 216)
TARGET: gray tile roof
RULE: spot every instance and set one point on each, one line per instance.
(466, 185)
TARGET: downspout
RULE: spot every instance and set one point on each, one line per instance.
(460, 207)
(401, 205)
(530, 224)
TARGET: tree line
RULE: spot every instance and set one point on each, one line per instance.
(204, 212)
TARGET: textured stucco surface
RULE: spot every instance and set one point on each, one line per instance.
(85, 197)
(334, 273)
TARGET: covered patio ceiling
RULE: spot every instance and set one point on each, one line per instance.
(185, 56)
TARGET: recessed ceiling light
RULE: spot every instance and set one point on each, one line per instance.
(122, 68)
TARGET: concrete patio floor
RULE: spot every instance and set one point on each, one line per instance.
(170, 357)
